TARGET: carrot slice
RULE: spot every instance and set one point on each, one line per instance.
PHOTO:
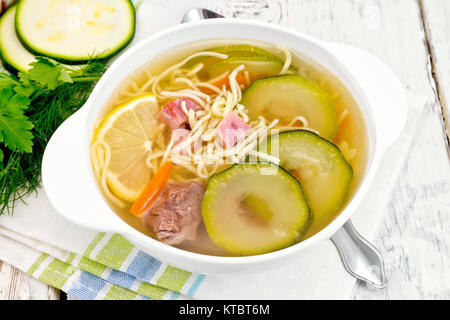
(152, 190)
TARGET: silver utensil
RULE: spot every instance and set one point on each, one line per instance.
(360, 258)
(199, 14)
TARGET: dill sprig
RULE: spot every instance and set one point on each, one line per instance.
(54, 94)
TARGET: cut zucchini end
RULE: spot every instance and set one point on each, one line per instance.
(77, 50)
(14, 56)
(283, 219)
(286, 97)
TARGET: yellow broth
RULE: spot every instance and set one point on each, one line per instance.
(351, 130)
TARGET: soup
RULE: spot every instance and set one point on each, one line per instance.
(230, 148)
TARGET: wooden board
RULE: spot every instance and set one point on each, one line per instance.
(17, 285)
(436, 16)
(413, 38)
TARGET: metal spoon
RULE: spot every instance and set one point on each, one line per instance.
(360, 258)
(199, 14)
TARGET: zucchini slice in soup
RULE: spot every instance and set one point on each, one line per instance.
(233, 50)
(75, 31)
(257, 66)
(252, 209)
(319, 165)
(289, 96)
(242, 50)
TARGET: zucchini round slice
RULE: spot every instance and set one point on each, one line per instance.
(75, 31)
(289, 96)
(12, 52)
(319, 165)
(257, 66)
(252, 209)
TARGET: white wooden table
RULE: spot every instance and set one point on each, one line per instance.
(413, 37)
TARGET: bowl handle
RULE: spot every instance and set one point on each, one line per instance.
(383, 89)
(69, 182)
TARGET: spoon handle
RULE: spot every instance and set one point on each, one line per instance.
(360, 258)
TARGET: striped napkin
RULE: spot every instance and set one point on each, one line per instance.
(99, 266)
(91, 265)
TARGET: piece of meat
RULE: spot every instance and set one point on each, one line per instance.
(172, 114)
(231, 130)
(176, 213)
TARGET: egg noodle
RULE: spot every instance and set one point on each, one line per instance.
(201, 154)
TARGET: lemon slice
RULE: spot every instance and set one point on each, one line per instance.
(129, 131)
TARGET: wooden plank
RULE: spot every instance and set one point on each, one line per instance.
(414, 234)
(17, 285)
(435, 14)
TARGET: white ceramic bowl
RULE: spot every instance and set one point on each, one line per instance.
(70, 184)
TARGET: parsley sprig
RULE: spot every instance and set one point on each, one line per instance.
(32, 106)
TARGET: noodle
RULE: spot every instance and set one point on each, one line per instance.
(201, 153)
(302, 119)
(180, 64)
(101, 170)
(247, 77)
(288, 60)
(342, 117)
(348, 152)
(148, 83)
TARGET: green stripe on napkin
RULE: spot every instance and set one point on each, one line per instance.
(104, 258)
(114, 253)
